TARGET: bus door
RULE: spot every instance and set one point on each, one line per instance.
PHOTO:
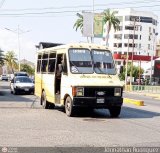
(58, 75)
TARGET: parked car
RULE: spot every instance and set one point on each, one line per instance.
(4, 77)
(22, 84)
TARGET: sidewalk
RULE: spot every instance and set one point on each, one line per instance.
(154, 95)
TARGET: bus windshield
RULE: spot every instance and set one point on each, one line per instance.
(80, 61)
(103, 62)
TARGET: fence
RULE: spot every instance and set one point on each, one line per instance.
(143, 88)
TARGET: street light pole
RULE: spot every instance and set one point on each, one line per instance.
(93, 24)
(127, 64)
(131, 73)
(18, 32)
(152, 54)
(19, 64)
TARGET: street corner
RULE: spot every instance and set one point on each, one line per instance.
(134, 101)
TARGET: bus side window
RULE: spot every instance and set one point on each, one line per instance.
(64, 64)
(44, 68)
(39, 63)
(52, 61)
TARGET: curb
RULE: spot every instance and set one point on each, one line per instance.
(133, 101)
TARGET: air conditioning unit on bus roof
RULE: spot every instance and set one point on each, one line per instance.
(43, 45)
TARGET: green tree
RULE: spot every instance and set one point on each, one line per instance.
(11, 60)
(79, 23)
(27, 68)
(111, 21)
(1, 57)
(136, 70)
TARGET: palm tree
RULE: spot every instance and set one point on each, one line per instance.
(111, 21)
(10, 59)
(79, 23)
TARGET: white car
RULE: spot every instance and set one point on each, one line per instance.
(22, 84)
(4, 77)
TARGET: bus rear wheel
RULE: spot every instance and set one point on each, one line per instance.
(44, 101)
(69, 106)
(115, 111)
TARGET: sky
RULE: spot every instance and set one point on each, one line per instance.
(52, 21)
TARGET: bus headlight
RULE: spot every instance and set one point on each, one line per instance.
(77, 91)
(117, 91)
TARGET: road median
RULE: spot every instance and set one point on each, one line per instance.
(134, 101)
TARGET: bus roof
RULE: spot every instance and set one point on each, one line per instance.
(76, 45)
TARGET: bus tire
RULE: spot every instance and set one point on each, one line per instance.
(115, 111)
(44, 101)
(69, 106)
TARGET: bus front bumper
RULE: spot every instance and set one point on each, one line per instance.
(97, 102)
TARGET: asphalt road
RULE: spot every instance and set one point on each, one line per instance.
(23, 123)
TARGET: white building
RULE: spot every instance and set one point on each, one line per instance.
(144, 34)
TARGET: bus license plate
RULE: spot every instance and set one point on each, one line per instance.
(26, 89)
(100, 100)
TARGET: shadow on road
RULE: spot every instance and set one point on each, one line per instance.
(5, 96)
(126, 113)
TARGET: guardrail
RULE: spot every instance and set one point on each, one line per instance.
(143, 88)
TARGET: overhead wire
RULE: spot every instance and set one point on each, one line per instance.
(80, 6)
(44, 13)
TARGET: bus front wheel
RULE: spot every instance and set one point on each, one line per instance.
(44, 100)
(115, 111)
(69, 106)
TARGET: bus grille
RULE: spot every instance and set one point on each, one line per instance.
(98, 91)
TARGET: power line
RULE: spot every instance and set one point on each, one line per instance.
(29, 14)
(80, 6)
(66, 11)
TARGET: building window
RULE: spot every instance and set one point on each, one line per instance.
(130, 36)
(141, 19)
(118, 36)
(118, 45)
(119, 28)
(118, 62)
(153, 30)
(149, 29)
(140, 28)
(139, 45)
(149, 46)
(145, 19)
(140, 37)
(131, 28)
(149, 38)
(130, 45)
(125, 44)
(131, 18)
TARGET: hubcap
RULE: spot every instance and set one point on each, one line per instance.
(68, 106)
